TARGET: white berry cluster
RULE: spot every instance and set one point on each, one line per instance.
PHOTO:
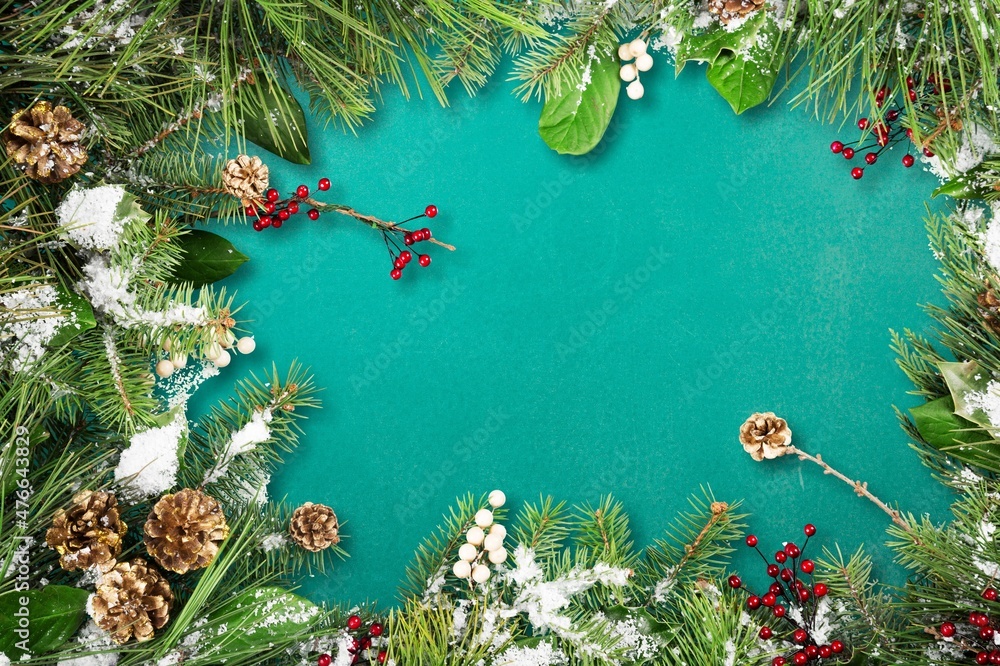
(482, 547)
(636, 49)
(217, 352)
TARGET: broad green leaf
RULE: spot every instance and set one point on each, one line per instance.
(574, 121)
(744, 80)
(53, 613)
(969, 185)
(256, 619)
(644, 622)
(273, 119)
(81, 316)
(964, 379)
(207, 258)
(949, 433)
(709, 45)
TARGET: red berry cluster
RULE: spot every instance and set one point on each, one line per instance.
(275, 211)
(794, 588)
(888, 132)
(979, 640)
(402, 257)
(362, 649)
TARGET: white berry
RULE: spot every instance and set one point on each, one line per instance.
(497, 498)
(635, 90)
(475, 535)
(499, 529)
(624, 52)
(164, 368)
(481, 573)
(227, 339)
(467, 552)
(224, 359)
(179, 360)
(637, 47)
(627, 72)
(484, 518)
(246, 345)
(644, 63)
(498, 556)
(492, 542)
(212, 351)
(462, 569)
(166, 344)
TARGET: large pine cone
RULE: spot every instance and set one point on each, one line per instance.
(184, 531)
(45, 141)
(314, 527)
(765, 435)
(132, 599)
(727, 10)
(246, 178)
(89, 533)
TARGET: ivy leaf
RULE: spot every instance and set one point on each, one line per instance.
(81, 316)
(256, 619)
(969, 185)
(963, 379)
(54, 613)
(207, 258)
(274, 120)
(574, 121)
(949, 433)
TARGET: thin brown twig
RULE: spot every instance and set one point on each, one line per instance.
(370, 220)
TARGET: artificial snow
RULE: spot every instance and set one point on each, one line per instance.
(542, 654)
(97, 644)
(149, 465)
(988, 401)
(273, 541)
(976, 145)
(30, 320)
(89, 217)
(256, 431)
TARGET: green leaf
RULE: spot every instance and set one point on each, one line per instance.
(574, 121)
(963, 379)
(255, 620)
(81, 313)
(53, 614)
(969, 185)
(207, 258)
(709, 45)
(645, 623)
(743, 81)
(949, 433)
(274, 120)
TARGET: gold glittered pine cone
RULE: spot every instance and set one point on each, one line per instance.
(765, 436)
(727, 10)
(132, 600)
(45, 141)
(89, 533)
(184, 530)
(314, 527)
(246, 178)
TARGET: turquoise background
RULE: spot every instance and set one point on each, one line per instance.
(606, 324)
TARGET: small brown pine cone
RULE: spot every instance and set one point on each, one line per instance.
(89, 533)
(132, 600)
(184, 531)
(727, 10)
(245, 178)
(45, 141)
(314, 527)
(765, 435)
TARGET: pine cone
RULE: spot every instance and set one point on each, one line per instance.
(765, 435)
(990, 311)
(132, 599)
(89, 533)
(727, 10)
(184, 530)
(45, 141)
(314, 527)
(246, 178)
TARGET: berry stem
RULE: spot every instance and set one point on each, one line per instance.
(370, 220)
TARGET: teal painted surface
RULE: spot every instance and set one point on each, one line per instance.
(606, 324)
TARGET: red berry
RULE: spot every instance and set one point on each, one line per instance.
(825, 652)
(848, 153)
(907, 160)
(765, 632)
(882, 139)
(820, 589)
(408, 239)
(990, 594)
(863, 124)
(257, 226)
(395, 273)
(751, 540)
(809, 529)
(778, 661)
(779, 611)
(871, 158)
(837, 647)
(293, 207)
(272, 195)
(366, 643)
(780, 557)
(324, 184)
(431, 211)
(324, 660)
(775, 589)
(928, 152)
(426, 233)
(768, 599)
(800, 659)
(301, 191)
(753, 602)
(265, 221)
(812, 651)
(786, 574)
(909, 132)
(268, 207)
(995, 657)
(857, 172)
(892, 115)
(376, 629)
(283, 214)
(251, 211)
(382, 656)
(948, 629)
(398, 263)
(791, 550)
(807, 566)
(977, 619)
(406, 256)
(982, 658)
(734, 581)
(803, 595)
(313, 214)
(424, 260)
(276, 223)
(912, 94)
(354, 623)
(986, 632)
(909, 82)
(800, 636)
(835, 147)
(880, 95)
(773, 570)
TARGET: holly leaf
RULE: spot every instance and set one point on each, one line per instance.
(254, 620)
(969, 185)
(52, 614)
(207, 258)
(81, 316)
(573, 122)
(949, 433)
(274, 120)
(964, 379)
(709, 45)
